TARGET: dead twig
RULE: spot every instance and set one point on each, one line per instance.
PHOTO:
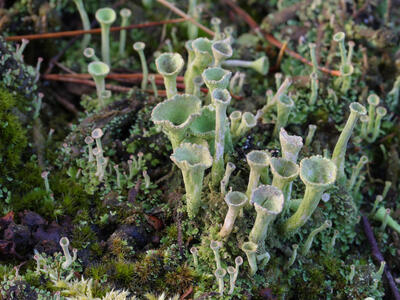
(376, 253)
(272, 40)
(52, 35)
(184, 15)
(85, 79)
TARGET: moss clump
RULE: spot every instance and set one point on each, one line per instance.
(12, 135)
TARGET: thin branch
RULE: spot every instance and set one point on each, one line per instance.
(271, 39)
(184, 15)
(85, 79)
(376, 253)
(52, 35)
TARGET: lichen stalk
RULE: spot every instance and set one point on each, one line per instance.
(314, 88)
(235, 117)
(85, 22)
(230, 167)
(105, 16)
(221, 99)
(235, 201)
(380, 113)
(215, 246)
(311, 131)
(125, 14)
(373, 102)
(356, 171)
(193, 160)
(258, 162)
(139, 47)
(284, 105)
(339, 153)
(220, 274)
(250, 249)
(99, 72)
(311, 236)
(318, 174)
(260, 65)
(292, 257)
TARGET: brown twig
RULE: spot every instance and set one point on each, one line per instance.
(271, 39)
(376, 253)
(52, 35)
(85, 79)
(185, 16)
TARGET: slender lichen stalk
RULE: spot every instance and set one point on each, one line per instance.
(268, 203)
(311, 131)
(260, 65)
(194, 252)
(234, 273)
(105, 16)
(64, 243)
(235, 117)
(215, 246)
(311, 236)
(373, 102)
(89, 141)
(235, 201)
(221, 100)
(99, 72)
(284, 105)
(314, 88)
(230, 167)
(250, 249)
(380, 113)
(292, 257)
(356, 171)
(318, 174)
(381, 214)
(339, 38)
(139, 48)
(220, 274)
(169, 65)
(339, 153)
(125, 14)
(85, 22)
(192, 29)
(247, 122)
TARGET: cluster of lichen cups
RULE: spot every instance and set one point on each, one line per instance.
(202, 136)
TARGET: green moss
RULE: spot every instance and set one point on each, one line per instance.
(12, 135)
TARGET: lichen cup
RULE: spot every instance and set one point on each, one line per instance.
(193, 160)
(175, 115)
(268, 202)
(284, 172)
(169, 65)
(318, 174)
(258, 162)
